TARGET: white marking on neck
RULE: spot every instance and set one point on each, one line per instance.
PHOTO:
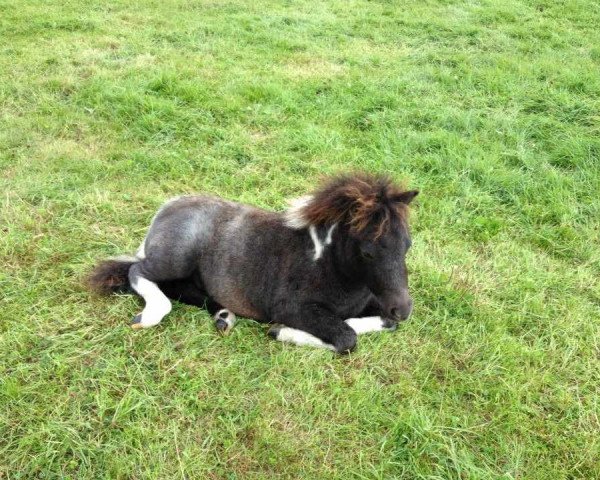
(320, 246)
(299, 337)
(294, 215)
(329, 234)
(316, 242)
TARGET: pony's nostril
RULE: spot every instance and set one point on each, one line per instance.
(402, 312)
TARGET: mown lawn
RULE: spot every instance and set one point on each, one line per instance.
(491, 109)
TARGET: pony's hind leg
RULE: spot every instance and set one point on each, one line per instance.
(190, 291)
(157, 304)
(224, 321)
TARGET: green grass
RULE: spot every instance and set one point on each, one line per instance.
(491, 109)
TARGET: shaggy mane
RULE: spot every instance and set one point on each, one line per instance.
(368, 204)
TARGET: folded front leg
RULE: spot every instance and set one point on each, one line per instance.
(370, 324)
(297, 337)
(372, 319)
(316, 327)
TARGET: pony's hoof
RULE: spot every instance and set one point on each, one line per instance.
(222, 326)
(224, 321)
(346, 342)
(273, 332)
(136, 323)
(389, 325)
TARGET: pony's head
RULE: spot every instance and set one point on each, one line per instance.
(366, 216)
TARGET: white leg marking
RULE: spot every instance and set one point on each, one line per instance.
(157, 304)
(228, 317)
(366, 324)
(317, 243)
(329, 234)
(299, 337)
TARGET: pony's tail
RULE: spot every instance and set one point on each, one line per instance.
(111, 276)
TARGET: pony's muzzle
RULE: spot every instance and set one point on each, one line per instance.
(401, 310)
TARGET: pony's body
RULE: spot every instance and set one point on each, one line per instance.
(272, 267)
(215, 238)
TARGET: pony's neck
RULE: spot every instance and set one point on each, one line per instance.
(340, 256)
(333, 252)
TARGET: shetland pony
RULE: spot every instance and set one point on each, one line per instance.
(329, 268)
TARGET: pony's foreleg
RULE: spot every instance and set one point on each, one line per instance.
(301, 337)
(371, 319)
(157, 303)
(315, 326)
(298, 337)
(189, 291)
(370, 324)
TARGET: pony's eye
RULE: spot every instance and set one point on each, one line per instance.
(367, 255)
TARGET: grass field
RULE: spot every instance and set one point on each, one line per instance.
(491, 109)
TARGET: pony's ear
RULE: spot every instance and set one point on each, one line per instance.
(405, 197)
